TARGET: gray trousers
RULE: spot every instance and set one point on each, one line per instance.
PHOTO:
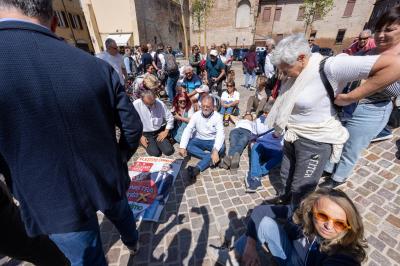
(302, 166)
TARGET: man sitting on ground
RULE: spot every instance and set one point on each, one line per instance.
(208, 141)
(157, 122)
(191, 81)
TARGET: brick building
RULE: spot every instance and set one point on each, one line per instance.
(243, 22)
(380, 7)
(72, 25)
(231, 21)
(134, 22)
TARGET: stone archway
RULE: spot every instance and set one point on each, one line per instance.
(243, 14)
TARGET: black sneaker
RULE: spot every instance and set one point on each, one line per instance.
(193, 172)
(277, 200)
(225, 163)
(235, 161)
(330, 183)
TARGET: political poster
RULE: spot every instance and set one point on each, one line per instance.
(152, 179)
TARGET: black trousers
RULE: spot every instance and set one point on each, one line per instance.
(302, 166)
(157, 148)
(14, 241)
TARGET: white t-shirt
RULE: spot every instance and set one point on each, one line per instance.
(313, 104)
(246, 124)
(226, 98)
(117, 62)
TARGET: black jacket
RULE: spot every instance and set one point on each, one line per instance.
(59, 107)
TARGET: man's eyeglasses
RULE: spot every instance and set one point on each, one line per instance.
(338, 225)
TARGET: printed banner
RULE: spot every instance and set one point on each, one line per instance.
(152, 179)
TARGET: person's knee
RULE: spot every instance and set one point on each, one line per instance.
(168, 150)
(267, 227)
(153, 151)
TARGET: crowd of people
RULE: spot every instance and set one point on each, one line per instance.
(61, 160)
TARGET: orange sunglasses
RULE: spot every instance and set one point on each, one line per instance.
(339, 225)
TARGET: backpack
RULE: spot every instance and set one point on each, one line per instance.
(170, 64)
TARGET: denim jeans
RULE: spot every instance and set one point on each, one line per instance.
(224, 110)
(366, 123)
(275, 237)
(201, 149)
(262, 160)
(250, 78)
(238, 139)
(171, 85)
(85, 247)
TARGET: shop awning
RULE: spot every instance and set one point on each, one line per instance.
(120, 39)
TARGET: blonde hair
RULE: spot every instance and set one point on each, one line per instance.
(351, 241)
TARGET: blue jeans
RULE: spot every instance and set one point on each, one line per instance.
(263, 160)
(85, 247)
(202, 149)
(224, 110)
(238, 139)
(366, 123)
(250, 78)
(171, 86)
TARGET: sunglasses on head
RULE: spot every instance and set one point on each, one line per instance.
(338, 225)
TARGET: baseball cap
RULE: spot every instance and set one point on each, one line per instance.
(203, 88)
(214, 52)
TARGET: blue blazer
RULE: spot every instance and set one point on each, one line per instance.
(58, 110)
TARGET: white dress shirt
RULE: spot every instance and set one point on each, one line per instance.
(269, 67)
(116, 61)
(211, 128)
(154, 117)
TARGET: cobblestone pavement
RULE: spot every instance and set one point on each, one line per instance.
(216, 206)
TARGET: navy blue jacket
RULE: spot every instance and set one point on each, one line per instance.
(58, 110)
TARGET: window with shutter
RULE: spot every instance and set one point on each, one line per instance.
(71, 19)
(349, 8)
(79, 22)
(340, 36)
(266, 14)
(64, 16)
(278, 12)
(300, 15)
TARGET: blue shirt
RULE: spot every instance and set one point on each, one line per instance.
(191, 84)
(214, 69)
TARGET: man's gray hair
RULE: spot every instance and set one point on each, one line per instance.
(207, 98)
(366, 32)
(270, 41)
(41, 9)
(147, 93)
(108, 42)
(188, 68)
(288, 50)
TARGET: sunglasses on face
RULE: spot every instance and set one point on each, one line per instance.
(188, 73)
(338, 225)
(364, 39)
(230, 86)
(310, 40)
(182, 101)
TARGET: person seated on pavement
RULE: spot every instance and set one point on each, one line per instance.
(265, 152)
(238, 139)
(182, 110)
(202, 92)
(215, 71)
(304, 110)
(207, 142)
(191, 81)
(157, 122)
(229, 102)
(257, 101)
(326, 229)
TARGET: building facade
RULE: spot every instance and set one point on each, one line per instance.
(72, 25)
(380, 7)
(135, 22)
(229, 21)
(244, 22)
(337, 30)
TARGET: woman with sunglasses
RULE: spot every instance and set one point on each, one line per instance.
(182, 110)
(325, 230)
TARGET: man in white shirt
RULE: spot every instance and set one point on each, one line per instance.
(114, 58)
(157, 122)
(207, 143)
(269, 67)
